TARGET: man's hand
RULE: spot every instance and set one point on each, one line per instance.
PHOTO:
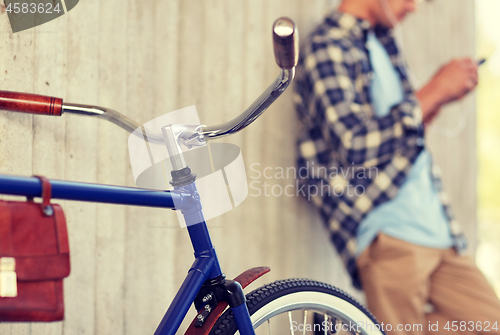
(452, 82)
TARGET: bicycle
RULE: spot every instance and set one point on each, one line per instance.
(222, 306)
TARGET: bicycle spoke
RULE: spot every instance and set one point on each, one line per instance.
(305, 322)
(269, 326)
(291, 322)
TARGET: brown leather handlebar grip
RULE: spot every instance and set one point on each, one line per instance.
(286, 43)
(30, 103)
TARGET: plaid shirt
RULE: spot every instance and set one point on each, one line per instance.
(350, 160)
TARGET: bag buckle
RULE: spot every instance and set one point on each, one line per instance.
(47, 209)
(8, 277)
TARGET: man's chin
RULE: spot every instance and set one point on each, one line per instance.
(391, 24)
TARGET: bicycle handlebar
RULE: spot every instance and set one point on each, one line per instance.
(286, 52)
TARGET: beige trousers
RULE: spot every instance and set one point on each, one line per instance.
(401, 278)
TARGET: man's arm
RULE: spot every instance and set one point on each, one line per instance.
(430, 102)
(452, 82)
(363, 139)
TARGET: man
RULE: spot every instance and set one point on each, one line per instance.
(393, 228)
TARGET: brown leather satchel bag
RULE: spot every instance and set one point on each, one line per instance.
(34, 259)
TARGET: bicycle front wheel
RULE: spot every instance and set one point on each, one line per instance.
(301, 306)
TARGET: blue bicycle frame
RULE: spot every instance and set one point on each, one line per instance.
(206, 265)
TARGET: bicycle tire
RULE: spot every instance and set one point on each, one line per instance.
(284, 296)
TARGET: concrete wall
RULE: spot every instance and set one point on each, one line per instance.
(148, 58)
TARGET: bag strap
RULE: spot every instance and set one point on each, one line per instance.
(47, 209)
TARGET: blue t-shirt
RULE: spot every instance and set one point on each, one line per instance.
(416, 214)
